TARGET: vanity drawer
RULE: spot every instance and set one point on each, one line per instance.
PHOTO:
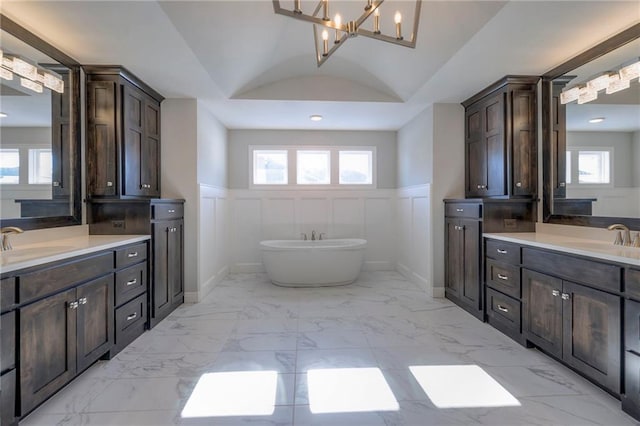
(502, 251)
(51, 280)
(503, 313)
(8, 399)
(7, 293)
(504, 278)
(131, 320)
(167, 211)
(632, 326)
(131, 255)
(468, 210)
(584, 271)
(632, 283)
(130, 282)
(7, 341)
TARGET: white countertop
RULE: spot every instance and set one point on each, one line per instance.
(581, 246)
(28, 255)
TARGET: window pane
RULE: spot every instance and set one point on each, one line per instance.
(568, 177)
(356, 167)
(9, 166)
(270, 167)
(314, 167)
(40, 162)
(593, 167)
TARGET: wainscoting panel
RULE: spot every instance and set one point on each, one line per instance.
(271, 214)
(213, 237)
(414, 230)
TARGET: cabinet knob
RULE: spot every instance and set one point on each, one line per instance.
(171, 211)
(502, 308)
(459, 210)
(132, 316)
(109, 183)
(73, 305)
(503, 277)
(562, 184)
(132, 282)
(566, 296)
(555, 293)
(479, 186)
(55, 183)
(82, 301)
(501, 251)
(134, 254)
(518, 184)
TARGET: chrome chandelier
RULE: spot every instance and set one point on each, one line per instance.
(349, 29)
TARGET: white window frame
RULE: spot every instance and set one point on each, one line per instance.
(23, 180)
(292, 167)
(574, 182)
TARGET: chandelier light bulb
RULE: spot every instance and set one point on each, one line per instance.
(398, 20)
(376, 21)
(325, 42)
(338, 22)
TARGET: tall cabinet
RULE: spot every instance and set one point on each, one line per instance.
(500, 139)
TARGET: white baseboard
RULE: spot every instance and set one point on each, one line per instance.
(191, 297)
(422, 282)
(197, 296)
(246, 267)
(438, 292)
(378, 265)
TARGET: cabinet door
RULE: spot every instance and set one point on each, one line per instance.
(494, 144)
(470, 234)
(476, 154)
(591, 338)
(102, 155)
(542, 311)
(47, 347)
(453, 258)
(175, 267)
(524, 173)
(133, 134)
(95, 320)
(161, 292)
(150, 158)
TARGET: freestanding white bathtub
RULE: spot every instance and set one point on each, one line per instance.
(320, 263)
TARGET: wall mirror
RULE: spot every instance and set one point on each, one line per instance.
(39, 132)
(591, 145)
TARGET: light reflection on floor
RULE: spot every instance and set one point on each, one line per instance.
(461, 386)
(349, 390)
(234, 393)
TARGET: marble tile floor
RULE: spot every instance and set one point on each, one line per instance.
(382, 323)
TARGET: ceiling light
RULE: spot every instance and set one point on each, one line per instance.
(587, 95)
(617, 84)
(631, 71)
(3, 114)
(351, 27)
(612, 81)
(315, 117)
(31, 76)
(596, 120)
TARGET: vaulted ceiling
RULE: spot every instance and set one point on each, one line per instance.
(255, 69)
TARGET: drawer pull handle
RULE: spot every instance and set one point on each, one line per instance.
(562, 184)
(73, 305)
(503, 277)
(502, 308)
(555, 293)
(83, 301)
(459, 210)
(134, 254)
(566, 296)
(132, 282)
(109, 184)
(173, 229)
(55, 183)
(132, 316)
(171, 211)
(501, 251)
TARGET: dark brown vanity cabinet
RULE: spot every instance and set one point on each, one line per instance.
(168, 273)
(500, 139)
(465, 221)
(631, 394)
(579, 324)
(123, 134)
(8, 324)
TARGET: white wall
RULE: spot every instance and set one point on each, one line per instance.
(430, 169)
(240, 140)
(258, 215)
(635, 158)
(194, 147)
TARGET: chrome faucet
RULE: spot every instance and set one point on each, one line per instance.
(620, 239)
(4, 236)
(313, 235)
(303, 236)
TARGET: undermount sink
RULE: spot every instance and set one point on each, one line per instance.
(595, 245)
(19, 253)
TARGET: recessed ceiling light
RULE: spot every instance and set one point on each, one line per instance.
(315, 117)
(3, 114)
(597, 120)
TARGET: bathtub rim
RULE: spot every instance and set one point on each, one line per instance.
(312, 245)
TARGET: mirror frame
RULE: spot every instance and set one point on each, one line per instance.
(75, 218)
(548, 158)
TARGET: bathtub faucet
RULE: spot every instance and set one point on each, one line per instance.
(313, 235)
(303, 236)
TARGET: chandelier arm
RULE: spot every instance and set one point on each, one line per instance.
(406, 43)
(367, 13)
(320, 58)
(312, 19)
